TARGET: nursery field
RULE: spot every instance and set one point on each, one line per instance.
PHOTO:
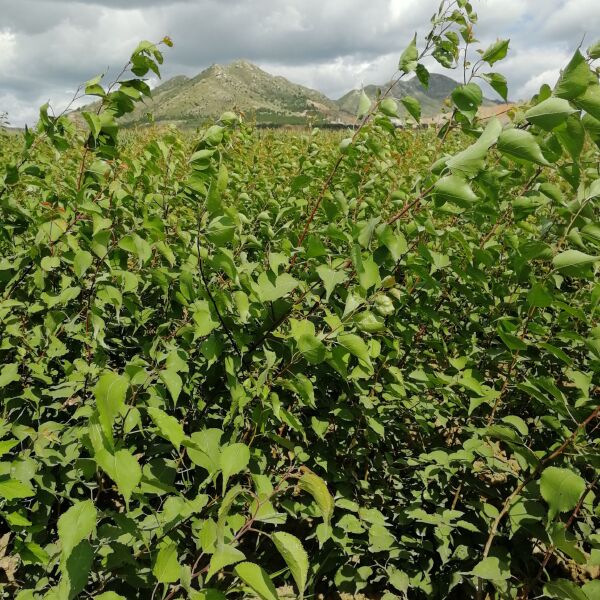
(239, 361)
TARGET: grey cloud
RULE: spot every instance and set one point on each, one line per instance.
(50, 46)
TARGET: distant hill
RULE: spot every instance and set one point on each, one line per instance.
(270, 99)
(240, 86)
(431, 98)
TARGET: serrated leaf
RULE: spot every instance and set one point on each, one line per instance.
(168, 426)
(573, 258)
(82, 262)
(550, 113)
(521, 144)
(310, 482)
(491, 568)
(9, 374)
(413, 106)
(356, 346)
(257, 578)
(294, 554)
(410, 56)
(331, 278)
(563, 589)
(561, 489)
(76, 525)
(11, 489)
(364, 105)
(173, 382)
(110, 393)
(123, 468)
(166, 568)
(224, 556)
(269, 292)
(575, 78)
(309, 345)
(234, 459)
(495, 51)
(454, 189)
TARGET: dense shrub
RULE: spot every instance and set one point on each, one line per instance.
(360, 363)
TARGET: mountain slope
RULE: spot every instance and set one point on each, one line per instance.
(431, 99)
(238, 86)
(270, 99)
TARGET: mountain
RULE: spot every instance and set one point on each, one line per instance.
(270, 99)
(431, 98)
(240, 86)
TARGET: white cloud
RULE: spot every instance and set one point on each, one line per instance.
(8, 46)
(47, 46)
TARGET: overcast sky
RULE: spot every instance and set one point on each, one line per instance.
(48, 47)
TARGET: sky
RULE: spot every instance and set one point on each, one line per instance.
(48, 47)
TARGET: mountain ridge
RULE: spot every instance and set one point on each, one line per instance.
(269, 99)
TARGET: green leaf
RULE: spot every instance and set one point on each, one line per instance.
(310, 482)
(454, 189)
(389, 107)
(9, 374)
(550, 113)
(75, 570)
(495, 52)
(413, 106)
(166, 568)
(109, 596)
(214, 204)
(110, 392)
(309, 345)
(331, 278)
(93, 120)
(590, 101)
(539, 296)
(491, 568)
(224, 556)
(258, 579)
(82, 262)
(11, 489)
(356, 346)
(123, 468)
(294, 554)
(471, 160)
(234, 459)
(134, 244)
(522, 145)
(364, 105)
(168, 426)
(204, 449)
(573, 258)
(221, 230)
(7, 446)
(269, 292)
(467, 98)
(76, 525)
(575, 78)
(410, 56)
(173, 381)
(561, 489)
(594, 50)
(562, 589)
(571, 134)
(497, 83)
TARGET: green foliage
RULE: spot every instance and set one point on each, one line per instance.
(237, 359)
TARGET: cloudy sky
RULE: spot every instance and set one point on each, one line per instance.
(48, 47)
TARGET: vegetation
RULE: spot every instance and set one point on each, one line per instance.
(239, 86)
(239, 359)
